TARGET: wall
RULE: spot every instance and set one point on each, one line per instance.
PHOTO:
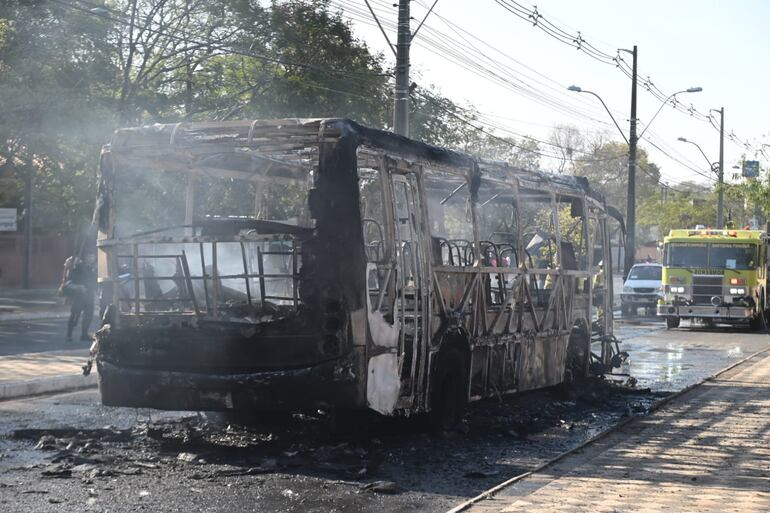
(48, 255)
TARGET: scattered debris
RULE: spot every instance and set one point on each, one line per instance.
(57, 470)
(144, 464)
(46, 443)
(387, 487)
(187, 457)
(481, 473)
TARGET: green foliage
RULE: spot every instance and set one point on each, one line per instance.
(606, 167)
(69, 77)
(658, 215)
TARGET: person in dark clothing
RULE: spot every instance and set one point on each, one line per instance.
(80, 288)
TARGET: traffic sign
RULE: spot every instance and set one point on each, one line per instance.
(750, 168)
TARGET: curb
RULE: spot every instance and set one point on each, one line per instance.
(61, 383)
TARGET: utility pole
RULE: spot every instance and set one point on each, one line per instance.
(27, 177)
(721, 175)
(631, 201)
(401, 92)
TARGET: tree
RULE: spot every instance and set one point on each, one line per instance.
(567, 140)
(606, 167)
(658, 214)
(52, 66)
(71, 73)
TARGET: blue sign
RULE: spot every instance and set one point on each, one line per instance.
(750, 168)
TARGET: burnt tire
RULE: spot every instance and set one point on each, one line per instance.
(672, 322)
(450, 391)
(578, 355)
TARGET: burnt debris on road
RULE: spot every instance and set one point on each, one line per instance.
(299, 463)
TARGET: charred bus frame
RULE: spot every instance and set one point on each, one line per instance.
(390, 312)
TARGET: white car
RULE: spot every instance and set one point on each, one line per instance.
(642, 288)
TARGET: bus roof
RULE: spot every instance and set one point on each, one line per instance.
(239, 147)
(714, 235)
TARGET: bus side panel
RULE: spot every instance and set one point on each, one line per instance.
(543, 359)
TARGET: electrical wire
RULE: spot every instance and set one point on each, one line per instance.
(468, 57)
(578, 41)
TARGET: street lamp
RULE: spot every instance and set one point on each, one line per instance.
(664, 102)
(716, 168)
(631, 141)
(712, 165)
(577, 89)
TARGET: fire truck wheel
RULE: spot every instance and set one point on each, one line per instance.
(672, 322)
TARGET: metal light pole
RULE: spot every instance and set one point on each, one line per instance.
(27, 178)
(711, 164)
(716, 168)
(632, 141)
(721, 180)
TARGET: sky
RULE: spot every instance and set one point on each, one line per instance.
(720, 46)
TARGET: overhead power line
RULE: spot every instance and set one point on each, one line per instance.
(464, 54)
(575, 39)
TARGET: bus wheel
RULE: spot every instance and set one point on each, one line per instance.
(578, 354)
(450, 390)
(672, 322)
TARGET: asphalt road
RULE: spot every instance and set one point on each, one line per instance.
(69, 453)
(39, 335)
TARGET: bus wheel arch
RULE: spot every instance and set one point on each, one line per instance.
(449, 382)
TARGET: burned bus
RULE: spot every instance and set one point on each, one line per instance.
(290, 265)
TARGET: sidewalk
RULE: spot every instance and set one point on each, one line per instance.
(28, 374)
(32, 304)
(705, 451)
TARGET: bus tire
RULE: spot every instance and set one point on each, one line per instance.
(672, 322)
(450, 390)
(578, 354)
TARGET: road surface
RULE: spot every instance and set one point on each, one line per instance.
(68, 453)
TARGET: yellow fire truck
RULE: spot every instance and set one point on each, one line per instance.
(719, 276)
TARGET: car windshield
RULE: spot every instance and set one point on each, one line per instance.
(732, 256)
(645, 272)
(687, 255)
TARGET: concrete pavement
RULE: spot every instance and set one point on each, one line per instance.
(28, 374)
(34, 356)
(705, 451)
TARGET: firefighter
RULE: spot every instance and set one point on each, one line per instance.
(79, 288)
